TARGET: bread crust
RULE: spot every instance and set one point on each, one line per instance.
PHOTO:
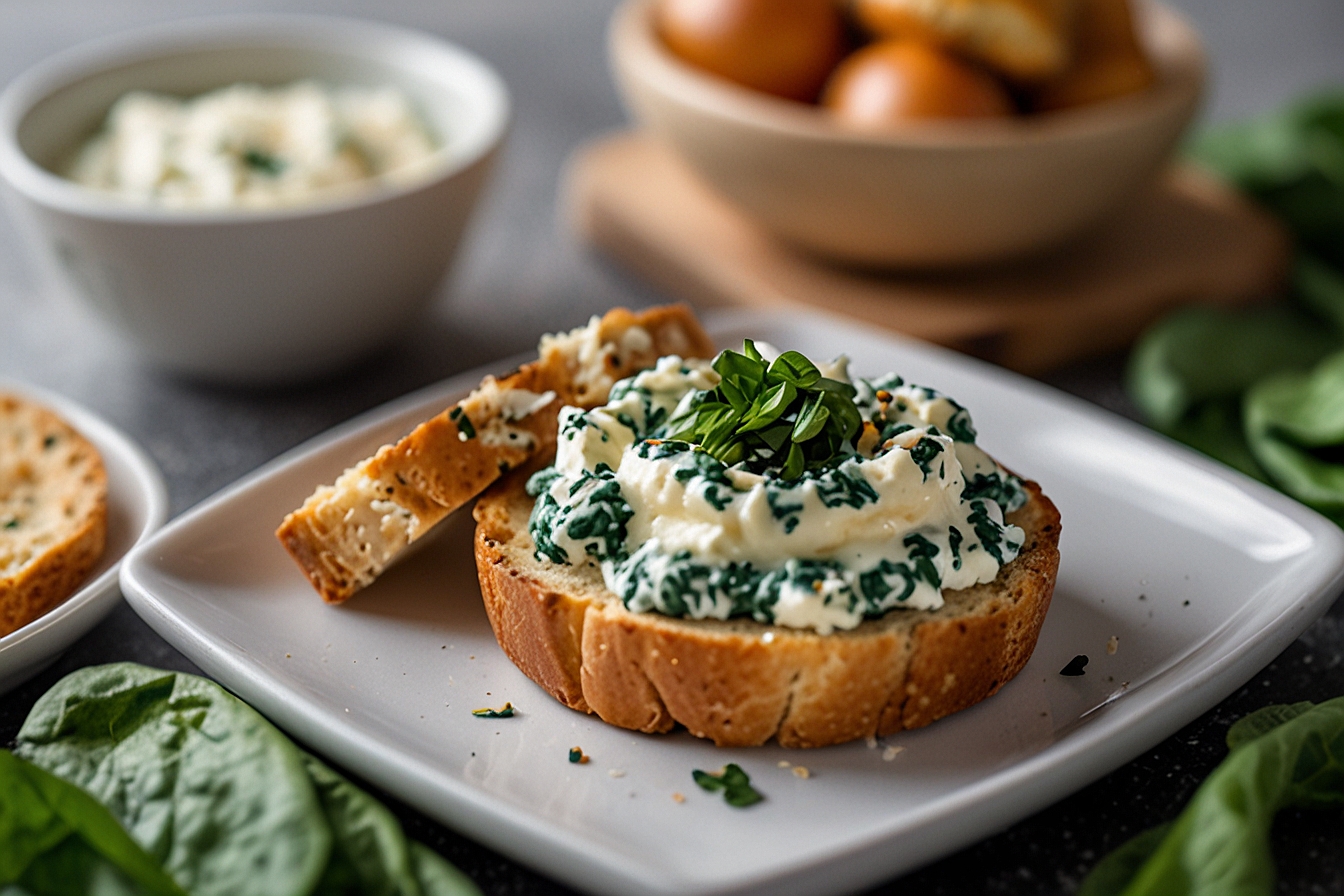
(1027, 40)
(53, 511)
(345, 534)
(739, 682)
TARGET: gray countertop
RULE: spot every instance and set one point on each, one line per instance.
(520, 274)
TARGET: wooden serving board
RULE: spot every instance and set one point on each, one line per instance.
(1187, 239)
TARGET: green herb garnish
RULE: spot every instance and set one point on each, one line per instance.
(504, 712)
(735, 784)
(12, 524)
(783, 416)
(263, 162)
(577, 756)
(465, 430)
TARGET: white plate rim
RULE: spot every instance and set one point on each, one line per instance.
(26, 650)
(998, 799)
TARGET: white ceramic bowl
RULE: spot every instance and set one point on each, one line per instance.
(251, 296)
(929, 194)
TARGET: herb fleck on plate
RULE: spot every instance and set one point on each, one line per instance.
(504, 712)
(735, 784)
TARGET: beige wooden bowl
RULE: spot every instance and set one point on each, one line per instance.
(927, 195)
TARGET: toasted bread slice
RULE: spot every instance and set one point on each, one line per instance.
(739, 682)
(1026, 40)
(347, 533)
(53, 511)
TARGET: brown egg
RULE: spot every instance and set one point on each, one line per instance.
(1108, 59)
(782, 47)
(893, 81)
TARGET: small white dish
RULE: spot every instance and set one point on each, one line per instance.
(137, 504)
(251, 295)
(1203, 575)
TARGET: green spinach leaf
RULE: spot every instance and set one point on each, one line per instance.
(201, 781)
(370, 854)
(1219, 846)
(56, 839)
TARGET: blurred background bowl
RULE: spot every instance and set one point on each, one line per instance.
(251, 296)
(927, 194)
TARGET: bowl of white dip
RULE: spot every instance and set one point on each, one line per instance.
(252, 199)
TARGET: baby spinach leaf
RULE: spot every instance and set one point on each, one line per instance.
(1262, 721)
(1220, 843)
(58, 840)
(370, 853)
(436, 876)
(1294, 425)
(1119, 867)
(201, 781)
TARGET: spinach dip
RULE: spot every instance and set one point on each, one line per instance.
(761, 485)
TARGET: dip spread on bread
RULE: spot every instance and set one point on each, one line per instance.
(252, 146)
(761, 485)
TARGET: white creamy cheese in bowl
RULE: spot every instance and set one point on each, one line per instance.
(276, 196)
(251, 146)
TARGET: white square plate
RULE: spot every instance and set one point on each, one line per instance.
(1203, 575)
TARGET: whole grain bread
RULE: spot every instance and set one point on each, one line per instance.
(348, 532)
(739, 682)
(53, 511)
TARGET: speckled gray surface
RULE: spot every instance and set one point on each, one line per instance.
(519, 275)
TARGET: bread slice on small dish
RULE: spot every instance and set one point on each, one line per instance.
(740, 682)
(1026, 40)
(348, 532)
(53, 511)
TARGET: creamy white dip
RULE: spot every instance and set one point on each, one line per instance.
(916, 508)
(254, 147)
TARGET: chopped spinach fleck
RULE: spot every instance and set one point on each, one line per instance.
(735, 784)
(263, 162)
(504, 712)
(465, 430)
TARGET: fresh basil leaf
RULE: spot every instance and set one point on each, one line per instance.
(749, 349)
(842, 410)
(795, 463)
(769, 406)
(792, 367)
(1220, 842)
(811, 419)
(201, 781)
(738, 397)
(826, 384)
(731, 365)
(56, 839)
(775, 437)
